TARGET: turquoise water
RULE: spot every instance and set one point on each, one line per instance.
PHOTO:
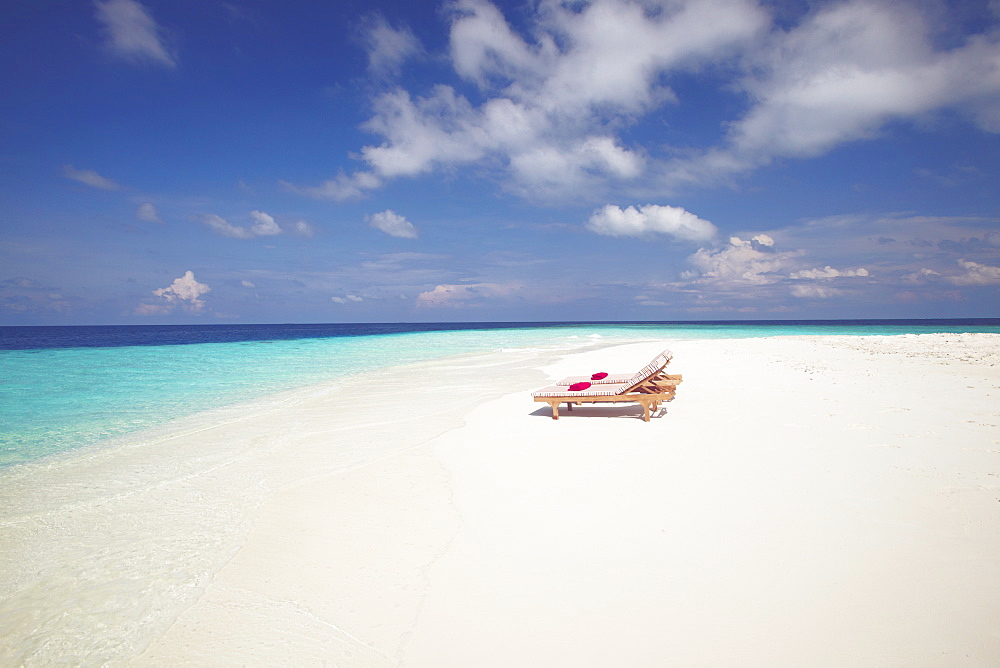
(56, 399)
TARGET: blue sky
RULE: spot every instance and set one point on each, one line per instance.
(172, 161)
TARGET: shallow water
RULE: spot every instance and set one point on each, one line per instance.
(62, 388)
(102, 547)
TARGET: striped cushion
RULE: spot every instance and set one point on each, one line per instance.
(596, 390)
(658, 363)
(624, 381)
(613, 379)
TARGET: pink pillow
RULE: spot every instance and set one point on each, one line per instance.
(599, 376)
(576, 387)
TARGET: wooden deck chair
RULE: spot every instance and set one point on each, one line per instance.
(649, 387)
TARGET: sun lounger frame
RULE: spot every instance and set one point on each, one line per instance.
(649, 388)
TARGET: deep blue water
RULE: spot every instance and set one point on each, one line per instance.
(66, 387)
(97, 336)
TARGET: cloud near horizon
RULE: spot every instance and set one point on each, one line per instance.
(976, 274)
(466, 294)
(185, 292)
(550, 106)
(748, 265)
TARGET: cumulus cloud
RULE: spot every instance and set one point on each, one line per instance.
(148, 213)
(90, 178)
(841, 75)
(976, 274)
(648, 220)
(392, 224)
(463, 294)
(742, 263)
(553, 97)
(545, 104)
(263, 225)
(132, 33)
(185, 293)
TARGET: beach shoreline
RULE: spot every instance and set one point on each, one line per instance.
(802, 499)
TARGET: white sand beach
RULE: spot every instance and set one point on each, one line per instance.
(802, 501)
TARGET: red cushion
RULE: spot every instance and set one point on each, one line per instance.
(599, 376)
(576, 387)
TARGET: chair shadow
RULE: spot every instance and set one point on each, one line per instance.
(631, 412)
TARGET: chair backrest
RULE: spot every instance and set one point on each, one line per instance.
(650, 370)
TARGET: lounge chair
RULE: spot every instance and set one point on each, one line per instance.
(649, 387)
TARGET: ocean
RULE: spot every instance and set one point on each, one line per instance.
(63, 388)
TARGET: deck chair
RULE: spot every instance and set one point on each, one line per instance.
(649, 387)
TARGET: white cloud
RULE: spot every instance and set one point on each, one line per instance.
(389, 47)
(247, 284)
(440, 129)
(185, 292)
(743, 263)
(555, 97)
(463, 294)
(813, 291)
(339, 189)
(548, 104)
(90, 178)
(828, 272)
(347, 299)
(132, 33)
(922, 275)
(650, 219)
(392, 224)
(225, 228)
(147, 212)
(841, 75)
(976, 274)
(263, 225)
(607, 54)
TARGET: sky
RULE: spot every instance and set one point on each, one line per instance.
(255, 161)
